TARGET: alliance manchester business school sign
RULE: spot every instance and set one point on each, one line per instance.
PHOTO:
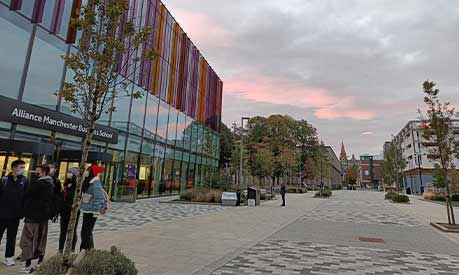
(22, 113)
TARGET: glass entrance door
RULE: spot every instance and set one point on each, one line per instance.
(7, 158)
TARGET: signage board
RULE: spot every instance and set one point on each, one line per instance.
(27, 114)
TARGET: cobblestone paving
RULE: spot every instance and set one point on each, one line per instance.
(361, 217)
(288, 257)
(122, 216)
(128, 215)
(346, 214)
(361, 212)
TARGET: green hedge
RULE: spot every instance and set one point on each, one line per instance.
(292, 189)
(400, 198)
(455, 197)
(439, 197)
(390, 195)
(325, 193)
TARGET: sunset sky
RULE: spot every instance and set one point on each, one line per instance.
(352, 68)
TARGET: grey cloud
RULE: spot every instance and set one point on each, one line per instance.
(378, 52)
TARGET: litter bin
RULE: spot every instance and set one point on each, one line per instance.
(253, 196)
(408, 191)
(229, 199)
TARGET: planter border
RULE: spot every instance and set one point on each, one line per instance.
(444, 229)
(437, 202)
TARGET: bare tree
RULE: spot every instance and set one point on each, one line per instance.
(108, 55)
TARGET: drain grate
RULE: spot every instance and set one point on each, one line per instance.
(371, 240)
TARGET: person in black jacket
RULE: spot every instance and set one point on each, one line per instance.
(57, 191)
(66, 207)
(37, 205)
(282, 192)
(12, 189)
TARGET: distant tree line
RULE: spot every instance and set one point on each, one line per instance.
(276, 149)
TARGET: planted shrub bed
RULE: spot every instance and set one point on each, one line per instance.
(292, 189)
(324, 194)
(396, 197)
(390, 195)
(400, 198)
(202, 195)
(95, 262)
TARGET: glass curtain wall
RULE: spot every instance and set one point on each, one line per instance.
(169, 149)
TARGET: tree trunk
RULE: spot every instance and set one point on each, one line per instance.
(449, 205)
(78, 187)
(447, 211)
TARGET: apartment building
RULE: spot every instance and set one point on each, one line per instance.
(418, 173)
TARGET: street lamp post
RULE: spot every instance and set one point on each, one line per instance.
(241, 149)
(420, 172)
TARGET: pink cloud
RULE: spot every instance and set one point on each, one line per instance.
(202, 29)
(367, 133)
(281, 91)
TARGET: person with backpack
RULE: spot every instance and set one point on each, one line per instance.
(94, 203)
(66, 207)
(12, 189)
(37, 205)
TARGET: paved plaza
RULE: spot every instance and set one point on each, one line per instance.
(354, 232)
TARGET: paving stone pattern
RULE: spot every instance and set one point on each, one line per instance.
(289, 257)
(128, 215)
(361, 212)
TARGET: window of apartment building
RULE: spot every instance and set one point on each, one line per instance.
(367, 173)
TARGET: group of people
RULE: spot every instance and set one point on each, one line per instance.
(42, 198)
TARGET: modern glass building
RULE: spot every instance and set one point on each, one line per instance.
(164, 142)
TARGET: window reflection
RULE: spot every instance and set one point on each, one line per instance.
(151, 116)
(15, 35)
(137, 112)
(172, 126)
(45, 70)
(163, 116)
(121, 114)
(181, 127)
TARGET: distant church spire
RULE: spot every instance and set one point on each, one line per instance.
(342, 155)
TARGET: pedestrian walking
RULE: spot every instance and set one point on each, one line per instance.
(282, 192)
(66, 208)
(37, 204)
(12, 189)
(94, 203)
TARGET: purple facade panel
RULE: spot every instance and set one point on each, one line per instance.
(56, 20)
(15, 5)
(145, 64)
(37, 13)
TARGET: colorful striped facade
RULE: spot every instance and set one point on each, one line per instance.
(181, 76)
(168, 139)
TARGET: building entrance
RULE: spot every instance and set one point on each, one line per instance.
(72, 158)
(31, 153)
